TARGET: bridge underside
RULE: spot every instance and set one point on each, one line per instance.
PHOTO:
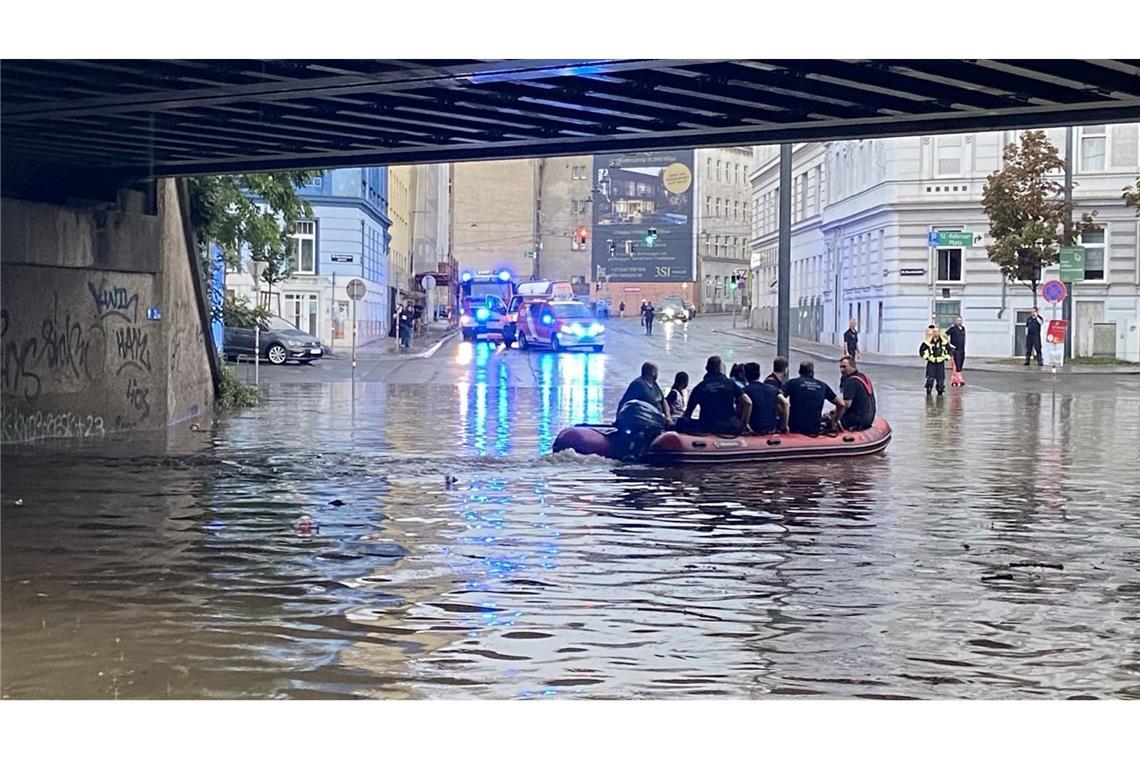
(121, 120)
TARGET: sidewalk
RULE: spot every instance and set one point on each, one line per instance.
(973, 364)
(423, 346)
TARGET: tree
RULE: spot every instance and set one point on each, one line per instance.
(227, 210)
(1132, 196)
(1027, 211)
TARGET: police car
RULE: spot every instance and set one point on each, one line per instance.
(559, 325)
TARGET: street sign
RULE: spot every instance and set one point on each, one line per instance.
(954, 239)
(355, 289)
(428, 282)
(1055, 333)
(912, 272)
(530, 255)
(342, 258)
(1072, 263)
(154, 315)
(1054, 291)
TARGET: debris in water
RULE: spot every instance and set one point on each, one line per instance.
(307, 526)
(19, 502)
(1050, 565)
(337, 503)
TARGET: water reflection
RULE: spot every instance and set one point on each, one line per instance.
(990, 553)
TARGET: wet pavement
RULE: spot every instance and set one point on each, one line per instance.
(992, 552)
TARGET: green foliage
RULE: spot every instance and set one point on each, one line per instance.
(234, 393)
(1027, 210)
(1132, 196)
(224, 210)
(238, 313)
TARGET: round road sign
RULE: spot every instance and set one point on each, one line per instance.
(355, 289)
(428, 282)
(1054, 291)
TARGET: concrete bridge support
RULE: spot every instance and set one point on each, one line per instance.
(104, 329)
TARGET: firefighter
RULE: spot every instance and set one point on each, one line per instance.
(935, 351)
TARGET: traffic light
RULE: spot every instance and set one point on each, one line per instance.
(651, 236)
(580, 235)
(629, 248)
(612, 247)
(732, 283)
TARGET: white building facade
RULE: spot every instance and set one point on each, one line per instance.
(722, 207)
(862, 211)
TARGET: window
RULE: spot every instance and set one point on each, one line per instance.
(945, 311)
(950, 264)
(708, 168)
(803, 195)
(718, 171)
(717, 206)
(948, 155)
(1093, 242)
(708, 204)
(304, 247)
(736, 174)
(1092, 149)
(736, 209)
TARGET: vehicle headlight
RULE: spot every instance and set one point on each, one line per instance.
(466, 320)
(577, 329)
(596, 329)
(668, 312)
(293, 343)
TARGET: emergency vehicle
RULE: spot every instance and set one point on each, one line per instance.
(483, 298)
(532, 292)
(560, 325)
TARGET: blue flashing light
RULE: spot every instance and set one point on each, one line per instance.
(467, 276)
(505, 276)
(483, 314)
(547, 320)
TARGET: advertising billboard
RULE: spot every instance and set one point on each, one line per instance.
(643, 217)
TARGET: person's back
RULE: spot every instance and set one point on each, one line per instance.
(677, 398)
(642, 389)
(716, 396)
(765, 415)
(860, 397)
(806, 396)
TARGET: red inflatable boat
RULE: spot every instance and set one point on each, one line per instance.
(673, 448)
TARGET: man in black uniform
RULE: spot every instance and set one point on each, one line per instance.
(806, 396)
(648, 314)
(769, 406)
(1033, 336)
(851, 339)
(779, 373)
(725, 408)
(858, 397)
(645, 388)
(957, 336)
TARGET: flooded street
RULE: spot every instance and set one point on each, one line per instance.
(993, 551)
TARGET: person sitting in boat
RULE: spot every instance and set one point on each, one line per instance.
(805, 397)
(724, 406)
(769, 406)
(858, 397)
(779, 374)
(677, 396)
(645, 388)
(737, 374)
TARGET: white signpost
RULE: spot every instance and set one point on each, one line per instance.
(255, 269)
(356, 291)
(428, 283)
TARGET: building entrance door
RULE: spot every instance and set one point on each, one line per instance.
(1088, 314)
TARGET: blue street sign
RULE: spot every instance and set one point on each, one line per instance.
(932, 238)
(1054, 291)
(154, 314)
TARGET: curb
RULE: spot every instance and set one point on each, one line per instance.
(438, 345)
(975, 368)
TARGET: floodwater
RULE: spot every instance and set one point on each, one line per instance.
(993, 551)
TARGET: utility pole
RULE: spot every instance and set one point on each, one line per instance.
(784, 257)
(1067, 304)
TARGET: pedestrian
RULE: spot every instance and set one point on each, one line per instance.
(407, 323)
(1033, 336)
(935, 351)
(851, 339)
(649, 314)
(779, 374)
(957, 337)
(621, 310)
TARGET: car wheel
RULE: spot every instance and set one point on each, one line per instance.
(524, 344)
(276, 354)
(555, 344)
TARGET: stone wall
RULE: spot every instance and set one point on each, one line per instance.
(101, 331)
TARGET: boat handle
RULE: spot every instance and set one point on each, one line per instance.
(849, 439)
(774, 441)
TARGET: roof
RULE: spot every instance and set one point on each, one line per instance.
(140, 118)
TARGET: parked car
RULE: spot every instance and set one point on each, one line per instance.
(280, 342)
(560, 325)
